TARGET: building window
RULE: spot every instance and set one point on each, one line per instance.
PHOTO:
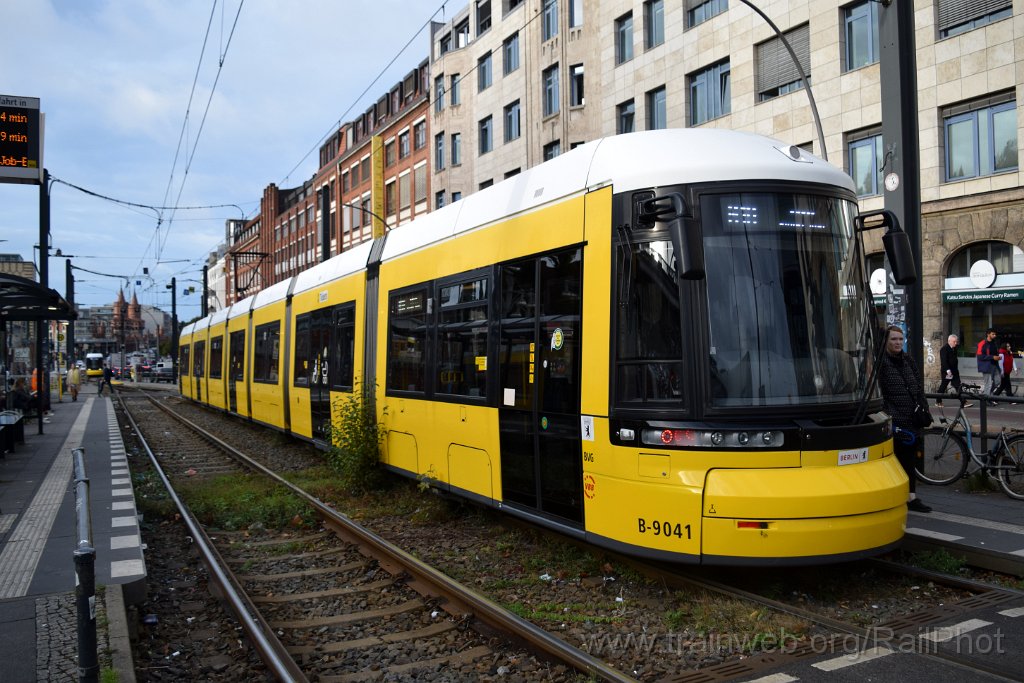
(575, 13)
(510, 52)
(390, 198)
(511, 5)
(512, 122)
(549, 20)
(485, 184)
(439, 152)
(699, 11)
(513, 172)
(439, 93)
(576, 85)
(776, 72)
(654, 23)
(959, 16)
(1002, 255)
(550, 75)
(456, 196)
(454, 95)
(439, 199)
(483, 16)
(861, 35)
(625, 114)
(981, 137)
(403, 145)
(483, 72)
(710, 93)
(456, 149)
(864, 150)
(552, 150)
(404, 191)
(484, 134)
(389, 154)
(420, 180)
(657, 116)
(624, 38)
(445, 44)
(462, 33)
(419, 133)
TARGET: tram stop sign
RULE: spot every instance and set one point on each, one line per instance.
(21, 140)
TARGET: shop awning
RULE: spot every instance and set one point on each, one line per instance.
(24, 299)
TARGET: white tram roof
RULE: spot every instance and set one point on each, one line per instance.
(218, 316)
(240, 308)
(274, 293)
(347, 262)
(187, 329)
(627, 162)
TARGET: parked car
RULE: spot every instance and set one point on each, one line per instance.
(163, 372)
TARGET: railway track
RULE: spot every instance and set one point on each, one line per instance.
(825, 633)
(340, 603)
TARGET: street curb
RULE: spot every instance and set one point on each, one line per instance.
(119, 634)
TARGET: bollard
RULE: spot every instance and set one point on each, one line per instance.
(85, 572)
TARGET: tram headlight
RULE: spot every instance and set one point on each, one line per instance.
(695, 438)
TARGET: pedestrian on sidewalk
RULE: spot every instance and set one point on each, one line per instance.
(74, 379)
(904, 400)
(949, 366)
(988, 366)
(108, 375)
(1008, 367)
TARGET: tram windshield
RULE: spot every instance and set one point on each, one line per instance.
(785, 300)
(94, 361)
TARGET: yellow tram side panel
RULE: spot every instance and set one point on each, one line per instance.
(691, 502)
(460, 441)
(344, 290)
(596, 325)
(268, 399)
(216, 388)
(185, 368)
(451, 443)
(239, 324)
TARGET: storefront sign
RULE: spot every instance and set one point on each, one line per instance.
(977, 295)
(983, 274)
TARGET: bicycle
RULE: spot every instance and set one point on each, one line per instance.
(947, 452)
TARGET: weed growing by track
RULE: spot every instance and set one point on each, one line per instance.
(356, 437)
(240, 501)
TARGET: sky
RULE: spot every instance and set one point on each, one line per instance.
(123, 120)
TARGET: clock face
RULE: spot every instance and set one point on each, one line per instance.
(892, 181)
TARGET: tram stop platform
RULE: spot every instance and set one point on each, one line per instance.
(39, 535)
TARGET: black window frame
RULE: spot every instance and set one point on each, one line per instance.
(217, 357)
(263, 361)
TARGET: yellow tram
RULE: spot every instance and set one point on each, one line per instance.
(658, 342)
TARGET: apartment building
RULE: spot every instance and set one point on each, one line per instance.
(514, 82)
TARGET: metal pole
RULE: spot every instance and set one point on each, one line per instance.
(44, 279)
(174, 328)
(206, 292)
(901, 161)
(85, 570)
(70, 294)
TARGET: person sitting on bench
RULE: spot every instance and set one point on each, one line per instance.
(24, 401)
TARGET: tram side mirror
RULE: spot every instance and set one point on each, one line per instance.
(896, 243)
(687, 241)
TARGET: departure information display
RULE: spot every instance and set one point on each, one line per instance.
(21, 146)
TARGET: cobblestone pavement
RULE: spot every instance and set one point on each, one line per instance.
(57, 637)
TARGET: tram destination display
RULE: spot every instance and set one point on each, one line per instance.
(21, 145)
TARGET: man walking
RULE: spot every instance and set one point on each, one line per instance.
(949, 367)
(988, 366)
(108, 374)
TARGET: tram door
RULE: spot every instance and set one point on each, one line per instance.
(198, 369)
(319, 384)
(236, 367)
(539, 384)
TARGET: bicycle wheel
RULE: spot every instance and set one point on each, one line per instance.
(945, 457)
(1010, 464)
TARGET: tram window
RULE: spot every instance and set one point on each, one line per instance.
(462, 338)
(216, 357)
(407, 341)
(183, 356)
(648, 324)
(237, 369)
(343, 350)
(300, 371)
(266, 353)
(200, 358)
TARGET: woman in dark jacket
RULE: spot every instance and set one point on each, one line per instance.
(903, 392)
